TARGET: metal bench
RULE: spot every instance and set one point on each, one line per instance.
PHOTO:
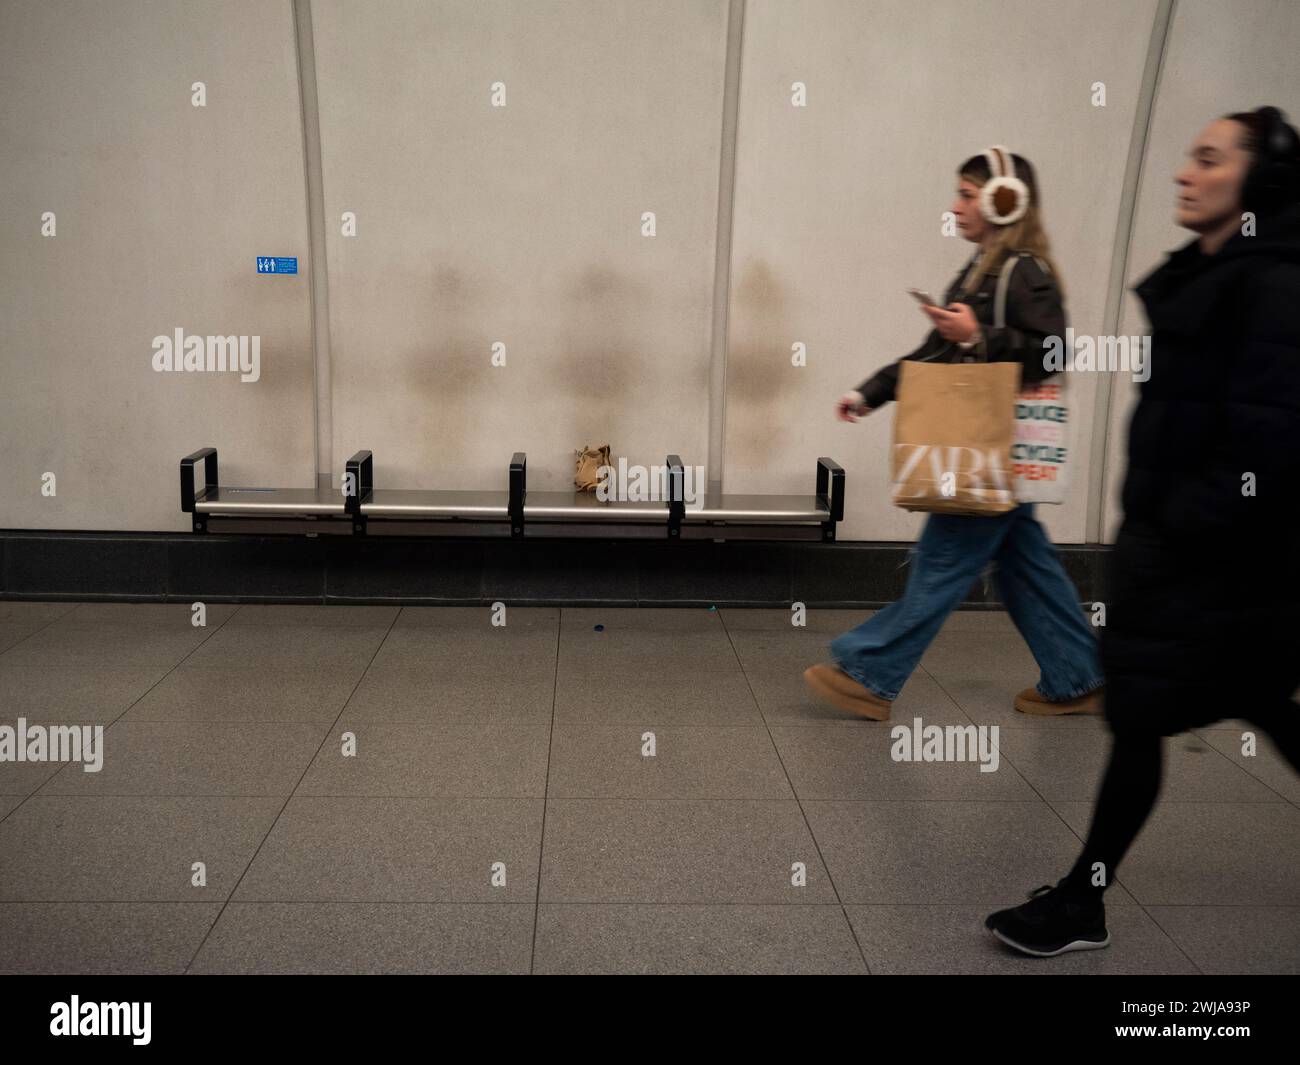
(358, 508)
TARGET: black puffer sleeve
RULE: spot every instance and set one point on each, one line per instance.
(882, 386)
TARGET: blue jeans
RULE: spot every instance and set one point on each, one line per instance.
(882, 652)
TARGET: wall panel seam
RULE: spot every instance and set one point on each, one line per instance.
(1098, 480)
(318, 275)
(723, 246)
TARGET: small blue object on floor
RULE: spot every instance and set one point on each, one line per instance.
(600, 628)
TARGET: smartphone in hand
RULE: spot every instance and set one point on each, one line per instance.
(922, 297)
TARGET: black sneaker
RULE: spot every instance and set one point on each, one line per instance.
(1052, 923)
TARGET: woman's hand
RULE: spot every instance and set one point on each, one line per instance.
(956, 323)
(851, 404)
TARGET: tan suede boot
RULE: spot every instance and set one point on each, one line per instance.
(842, 691)
(1031, 701)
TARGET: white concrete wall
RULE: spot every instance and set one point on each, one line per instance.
(161, 209)
(521, 224)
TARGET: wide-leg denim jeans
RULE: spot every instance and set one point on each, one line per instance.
(953, 551)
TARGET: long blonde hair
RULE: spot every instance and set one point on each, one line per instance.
(1026, 234)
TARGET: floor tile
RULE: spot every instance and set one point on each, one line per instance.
(608, 761)
(695, 939)
(1235, 939)
(911, 940)
(189, 758)
(451, 694)
(360, 937)
(398, 850)
(487, 760)
(687, 851)
(128, 849)
(986, 853)
(828, 763)
(661, 692)
(1266, 764)
(272, 694)
(86, 938)
(1210, 854)
(1068, 766)
(69, 695)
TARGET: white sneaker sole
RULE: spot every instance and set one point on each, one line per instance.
(1078, 944)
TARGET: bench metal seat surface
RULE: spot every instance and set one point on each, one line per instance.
(759, 508)
(271, 501)
(416, 503)
(584, 506)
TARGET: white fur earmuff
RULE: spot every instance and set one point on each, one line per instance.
(1004, 198)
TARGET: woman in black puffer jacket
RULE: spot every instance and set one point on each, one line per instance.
(1204, 613)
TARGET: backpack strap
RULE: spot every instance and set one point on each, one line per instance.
(1000, 300)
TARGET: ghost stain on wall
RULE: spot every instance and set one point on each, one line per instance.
(449, 373)
(597, 360)
(580, 351)
(598, 366)
(761, 381)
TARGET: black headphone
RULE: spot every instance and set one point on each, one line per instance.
(1274, 180)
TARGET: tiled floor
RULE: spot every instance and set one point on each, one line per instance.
(501, 813)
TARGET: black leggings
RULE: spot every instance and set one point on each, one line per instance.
(1132, 782)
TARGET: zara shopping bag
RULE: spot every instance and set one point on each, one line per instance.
(953, 428)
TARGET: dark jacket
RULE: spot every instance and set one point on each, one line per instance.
(1203, 619)
(1034, 311)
